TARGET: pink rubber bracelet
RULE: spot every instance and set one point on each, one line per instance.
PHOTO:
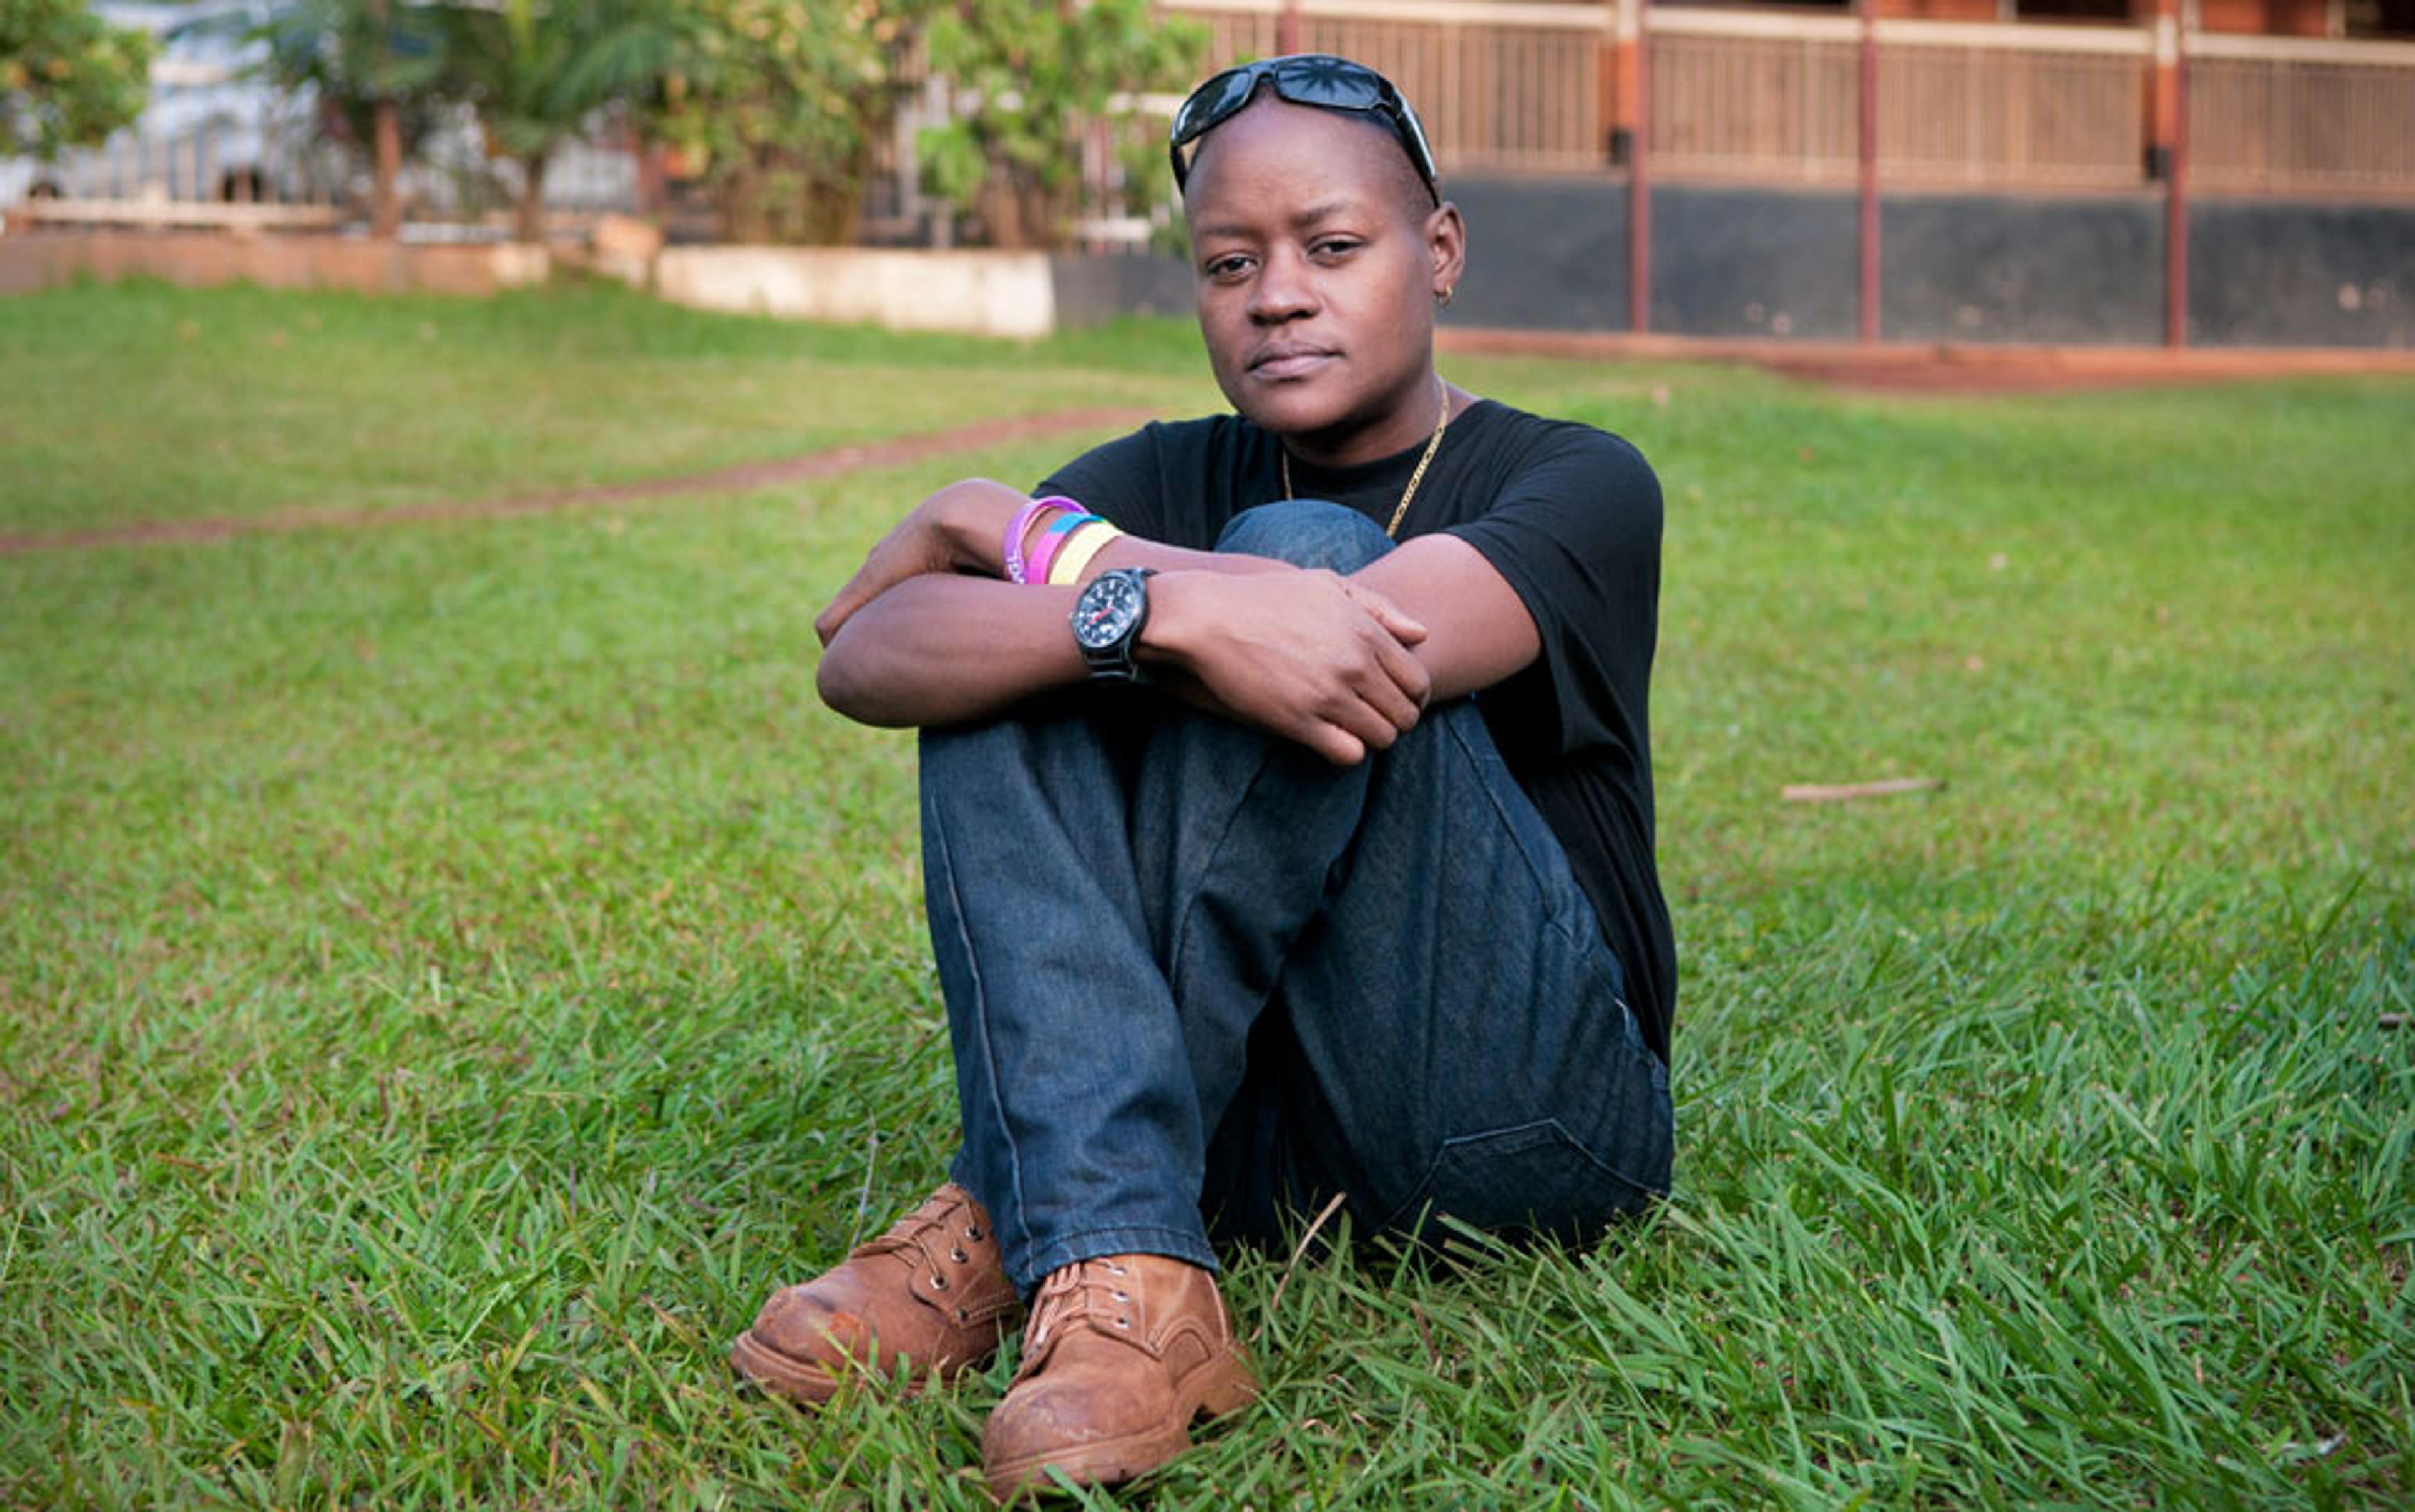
(1021, 525)
(1053, 540)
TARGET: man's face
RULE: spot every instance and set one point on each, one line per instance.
(1318, 255)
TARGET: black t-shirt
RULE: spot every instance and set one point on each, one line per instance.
(1570, 517)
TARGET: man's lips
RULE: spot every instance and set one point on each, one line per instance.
(1277, 363)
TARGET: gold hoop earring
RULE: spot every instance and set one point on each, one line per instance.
(1442, 301)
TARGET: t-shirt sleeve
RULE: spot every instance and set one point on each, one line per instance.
(1118, 481)
(1575, 534)
(1171, 481)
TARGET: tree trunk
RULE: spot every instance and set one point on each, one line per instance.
(385, 199)
(1018, 210)
(742, 200)
(385, 127)
(532, 226)
(1001, 209)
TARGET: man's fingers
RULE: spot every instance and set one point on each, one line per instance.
(1405, 629)
(1406, 673)
(1386, 701)
(840, 609)
(1397, 621)
(1333, 743)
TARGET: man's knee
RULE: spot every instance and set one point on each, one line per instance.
(1306, 533)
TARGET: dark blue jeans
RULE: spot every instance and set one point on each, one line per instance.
(1198, 978)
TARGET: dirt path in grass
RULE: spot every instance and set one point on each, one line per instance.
(895, 452)
(1904, 368)
(1948, 368)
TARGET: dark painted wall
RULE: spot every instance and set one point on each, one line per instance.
(1754, 262)
(1550, 254)
(1089, 290)
(1543, 254)
(1992, 267)
(2285, 273)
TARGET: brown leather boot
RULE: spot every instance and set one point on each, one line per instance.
(930, 1289)
(1122, 1354)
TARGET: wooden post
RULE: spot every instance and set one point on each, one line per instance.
(1287, 28)
(1616, 119)
(1639, 166)
(1869, 153)
(2167, 154)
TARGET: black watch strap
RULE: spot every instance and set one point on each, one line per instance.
(1111, 660)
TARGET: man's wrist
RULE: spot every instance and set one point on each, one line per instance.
(974, 523)
(1173, 614)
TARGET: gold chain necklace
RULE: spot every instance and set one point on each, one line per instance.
(1400, 512)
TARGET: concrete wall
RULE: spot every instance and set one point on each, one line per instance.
(1754, 263)
(2286, 273)
(1089, 290)
(45, 259)
(2081, 268)
(1022, 294)
(2068, 269)
(981, 293)
(1543, 254)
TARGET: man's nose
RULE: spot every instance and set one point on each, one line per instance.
(1284, 289)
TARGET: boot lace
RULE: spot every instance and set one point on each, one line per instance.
(1092, 1292)
(931, 1239)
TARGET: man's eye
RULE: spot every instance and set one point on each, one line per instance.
(1334, 247)
(1226, 267)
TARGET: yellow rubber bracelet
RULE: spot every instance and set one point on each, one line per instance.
(1075, 554)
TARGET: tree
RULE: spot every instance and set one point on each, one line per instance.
(378, 68)
(538, 71)
(1035, 76)
(67, 77)
(777, 105)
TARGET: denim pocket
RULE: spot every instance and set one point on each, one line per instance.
(1524, 1180)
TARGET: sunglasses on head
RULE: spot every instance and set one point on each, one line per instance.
(1317, 79)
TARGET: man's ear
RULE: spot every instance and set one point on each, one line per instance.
(1446, 243)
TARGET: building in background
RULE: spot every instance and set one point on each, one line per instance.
(2086, 171)
(2134, 171)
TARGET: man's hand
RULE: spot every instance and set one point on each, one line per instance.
(1307, 655)
(944, 532)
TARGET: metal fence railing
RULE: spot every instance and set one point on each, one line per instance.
(1767, 94)
(1760, 95)
(1513, 85)
(1745, 96)
(218, 148)
(1773, 93)
(2046, 105)
(2288, 114)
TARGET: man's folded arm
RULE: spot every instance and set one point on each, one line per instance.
(927, 633)
(1477, 629)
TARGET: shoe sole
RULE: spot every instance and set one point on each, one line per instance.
(810, 1384)
(1227, 1386)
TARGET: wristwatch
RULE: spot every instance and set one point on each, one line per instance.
(1107, 620)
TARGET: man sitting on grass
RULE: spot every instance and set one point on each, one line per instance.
(1266, 860)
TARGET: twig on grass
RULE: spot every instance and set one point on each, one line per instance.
(2391, 1020)
(1284, 1279)
(864, 1198)
(1434, 1355)
(1840, 792)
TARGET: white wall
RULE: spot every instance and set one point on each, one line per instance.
(975, 293)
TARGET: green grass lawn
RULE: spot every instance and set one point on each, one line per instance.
(449, 973)
(251, 400)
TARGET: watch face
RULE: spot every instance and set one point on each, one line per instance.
(1106, 610)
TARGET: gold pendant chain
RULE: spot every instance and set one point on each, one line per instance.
(1401, 511)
